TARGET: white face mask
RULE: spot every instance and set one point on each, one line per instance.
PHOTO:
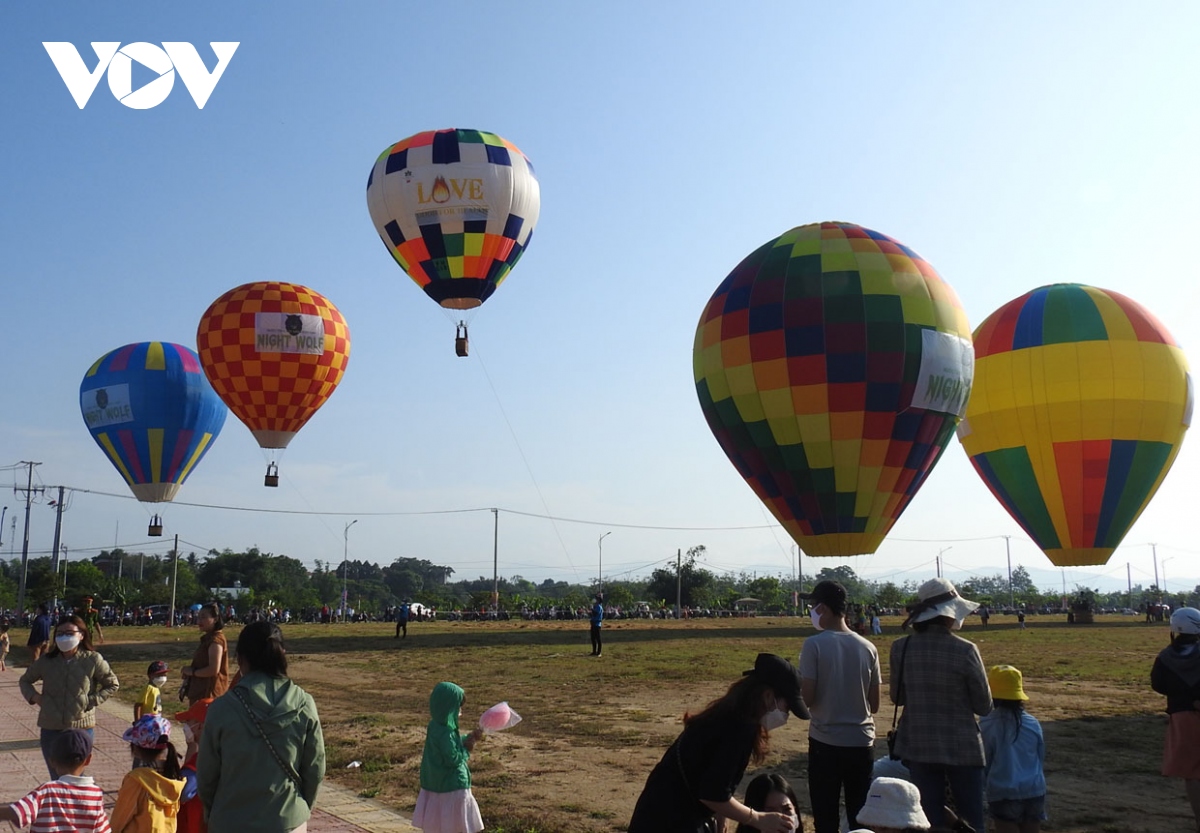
(158, 682)
(816, 619)
(774, 719)
(68, 642)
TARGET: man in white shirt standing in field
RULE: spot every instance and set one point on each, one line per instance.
(840, 684)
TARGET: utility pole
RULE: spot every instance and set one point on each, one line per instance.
(939, 558)
(1008, 552)
(496, 561)
(3, 512)
(29, 492)
(174, 581)
(58, 510)
(1129, 583)
(64, 566)
(679, 583)
(1153, 550)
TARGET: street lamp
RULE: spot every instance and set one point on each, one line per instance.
(346, 564)
(600, 566)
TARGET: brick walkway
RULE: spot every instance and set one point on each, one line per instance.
(338, 810)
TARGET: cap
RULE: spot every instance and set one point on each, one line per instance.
(197, 712)
(784, 680)
(71, 746)
(830, 593)
(1005, 682)
(157, 669)
(150, 732)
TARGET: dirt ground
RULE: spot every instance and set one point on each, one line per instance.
(579, 760)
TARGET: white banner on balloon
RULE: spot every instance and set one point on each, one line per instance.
(283, 332)
(947, 368)
(106, 406)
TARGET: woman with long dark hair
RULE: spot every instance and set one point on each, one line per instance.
(208, 675)
(262, 754)
(772, 792)
(696, 779)
(75, 680)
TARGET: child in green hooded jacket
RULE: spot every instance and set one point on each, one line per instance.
(445, 803)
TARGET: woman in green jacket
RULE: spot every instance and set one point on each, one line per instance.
(262, 754)
(75, 680)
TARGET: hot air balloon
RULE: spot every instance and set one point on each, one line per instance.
(149, 407)
(832, 365)
(1080, 403)
(456, 208)
(274, 352)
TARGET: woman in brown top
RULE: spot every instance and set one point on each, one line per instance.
(208, 675)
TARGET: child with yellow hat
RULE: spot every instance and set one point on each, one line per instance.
(1015, 749)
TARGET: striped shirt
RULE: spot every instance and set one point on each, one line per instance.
(72, 803)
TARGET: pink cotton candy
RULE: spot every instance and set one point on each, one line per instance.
(498, 718)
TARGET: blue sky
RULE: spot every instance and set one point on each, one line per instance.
(1011, 146)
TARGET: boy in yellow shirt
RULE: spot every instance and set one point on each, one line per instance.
(151, 699)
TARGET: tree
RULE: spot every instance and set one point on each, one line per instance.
(888, 594)
(697, 585)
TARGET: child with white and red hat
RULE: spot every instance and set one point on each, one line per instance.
(149, 796)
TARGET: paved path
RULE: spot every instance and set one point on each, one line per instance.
(338, 810)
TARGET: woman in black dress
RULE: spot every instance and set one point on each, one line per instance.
(696, 779)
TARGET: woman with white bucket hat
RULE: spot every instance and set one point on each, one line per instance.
(939, 679)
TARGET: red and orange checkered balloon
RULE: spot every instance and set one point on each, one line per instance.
(274, 352)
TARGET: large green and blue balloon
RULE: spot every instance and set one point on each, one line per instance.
(832, 365)
(152, 411)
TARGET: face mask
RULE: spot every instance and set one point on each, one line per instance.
(774, 719)
(816, 619)
(158, 682)
(957, 626)
(67, 643)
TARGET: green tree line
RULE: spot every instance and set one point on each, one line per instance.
(127, 579)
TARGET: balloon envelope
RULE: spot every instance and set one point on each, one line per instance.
(1080, 404)
(456, 208)
(832, 365)
(149, 407)
(274, 352)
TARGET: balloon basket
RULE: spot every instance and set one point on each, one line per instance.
(272, 477)
(156, 526)
(461, 345)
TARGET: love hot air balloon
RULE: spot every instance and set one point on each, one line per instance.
(832, 365)
(1080, 404)
(274, 352)
(149, 407)
(456, 208)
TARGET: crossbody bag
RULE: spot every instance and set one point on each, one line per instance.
(288, 769)
(891, 735)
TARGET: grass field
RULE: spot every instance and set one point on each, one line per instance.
(594, 727)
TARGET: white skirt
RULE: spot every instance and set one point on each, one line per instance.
(454, 812)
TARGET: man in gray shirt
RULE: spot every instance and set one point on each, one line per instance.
(840, 678)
